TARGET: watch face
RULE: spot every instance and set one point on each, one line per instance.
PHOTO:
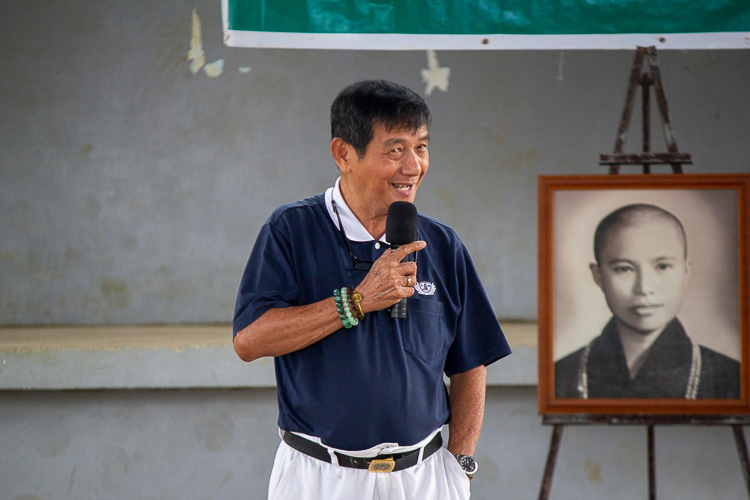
(468, 464)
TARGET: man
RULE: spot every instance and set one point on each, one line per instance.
(642, 267)
(361, 395)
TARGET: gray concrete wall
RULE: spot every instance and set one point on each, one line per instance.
(219, 444)
(131, 191)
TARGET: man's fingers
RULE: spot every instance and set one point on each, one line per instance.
(405, 268)
(405, 250)
(402, 251)
(390, 279)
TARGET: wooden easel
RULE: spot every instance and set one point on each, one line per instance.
(676, 159)
(559, 421)
(646, 81)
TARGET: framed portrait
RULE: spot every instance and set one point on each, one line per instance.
(643, 294)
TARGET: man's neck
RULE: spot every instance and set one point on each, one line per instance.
(636, 344)
(372, 222)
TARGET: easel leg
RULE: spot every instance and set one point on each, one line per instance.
(651, 464)
(739, 438)
(549, 469)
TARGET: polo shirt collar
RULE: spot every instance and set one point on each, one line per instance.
(353, 228)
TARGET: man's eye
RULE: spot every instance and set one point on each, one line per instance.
(663, 266)
(622, 269)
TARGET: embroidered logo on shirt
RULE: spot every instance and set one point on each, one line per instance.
(425, 288)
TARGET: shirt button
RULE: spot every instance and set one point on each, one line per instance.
(377, 246)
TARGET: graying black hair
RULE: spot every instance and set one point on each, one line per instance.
(364, 104)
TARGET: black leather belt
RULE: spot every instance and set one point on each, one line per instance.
(381, 463)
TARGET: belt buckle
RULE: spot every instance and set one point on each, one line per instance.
(382, 465)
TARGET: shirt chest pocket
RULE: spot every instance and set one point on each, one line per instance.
(424, 332)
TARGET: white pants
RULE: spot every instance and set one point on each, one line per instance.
(296, 476)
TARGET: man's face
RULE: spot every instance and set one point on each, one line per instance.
(643, 273)
(392, 168)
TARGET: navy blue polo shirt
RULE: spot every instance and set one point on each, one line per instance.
(382, 380)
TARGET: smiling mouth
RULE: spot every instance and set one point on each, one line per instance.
(404, 188)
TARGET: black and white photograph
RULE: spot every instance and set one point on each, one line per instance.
(646, 292)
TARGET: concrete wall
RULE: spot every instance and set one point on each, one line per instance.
(219, 444)
(131, 191)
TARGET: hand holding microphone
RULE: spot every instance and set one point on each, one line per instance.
(393, 275)
(401, 229)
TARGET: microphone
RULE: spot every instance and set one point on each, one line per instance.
(401, 229)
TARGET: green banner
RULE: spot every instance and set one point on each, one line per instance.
(408, 19)
(483, 17)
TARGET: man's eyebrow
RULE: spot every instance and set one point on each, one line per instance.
(398, 140)
(619, 261)
(628, 261)
(391, 142)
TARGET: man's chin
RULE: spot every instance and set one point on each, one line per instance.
(643, 328)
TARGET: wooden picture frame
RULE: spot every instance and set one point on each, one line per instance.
(643, 330)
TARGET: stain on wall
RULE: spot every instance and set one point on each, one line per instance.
(54, 446)
(593, 471)
(215, 433)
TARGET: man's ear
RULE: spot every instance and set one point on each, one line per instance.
(342, 154)
(596, 272)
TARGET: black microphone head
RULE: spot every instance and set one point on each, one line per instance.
(401, 223)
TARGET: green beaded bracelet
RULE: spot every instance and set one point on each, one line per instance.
(347, 311)
(342, 307)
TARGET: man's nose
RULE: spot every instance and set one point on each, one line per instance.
(643, 282)
(411, 164)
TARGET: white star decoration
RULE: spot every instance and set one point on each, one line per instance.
(434, 76)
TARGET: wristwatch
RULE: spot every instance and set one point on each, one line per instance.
(468, 464)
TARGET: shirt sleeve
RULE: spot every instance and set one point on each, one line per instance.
(479, 339)
(268, 280)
